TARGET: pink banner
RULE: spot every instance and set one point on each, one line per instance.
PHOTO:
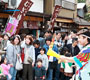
(10, 28)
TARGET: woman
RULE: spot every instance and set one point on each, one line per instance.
(82, 60)
(29, 58)
(13, 50)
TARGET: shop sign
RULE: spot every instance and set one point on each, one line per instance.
(15, 22)
(54, 16)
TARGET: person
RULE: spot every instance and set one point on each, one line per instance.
(2, 76)
(6, 68)
(64, 51)
(82, 60)
(1, 46)
(73, 34)
(40, 71)
(68, 70)
(36, 44)
(44, 58)
(74, 49)
(53, 63)
(29, 58)
(58, 41)
(5, 41)
(41, 39)
(13, 51)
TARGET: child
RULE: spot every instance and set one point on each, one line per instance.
(6, 68)
(44, 58)
(36, 44)
(68, 70)
(40, 71)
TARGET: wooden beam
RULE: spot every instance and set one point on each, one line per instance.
(81, 27)
(32, 18)
(64, 20)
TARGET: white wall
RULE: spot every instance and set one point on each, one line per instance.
(36, 7)
(73, 1)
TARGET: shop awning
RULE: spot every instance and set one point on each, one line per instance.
(81, 21)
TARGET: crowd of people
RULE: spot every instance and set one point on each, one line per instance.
(33, 53)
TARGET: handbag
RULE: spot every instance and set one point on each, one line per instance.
(30, 59)
(19, 64)
(22, 54)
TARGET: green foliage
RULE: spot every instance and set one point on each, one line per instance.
(88, 7)
(87, 17)
(81, 1)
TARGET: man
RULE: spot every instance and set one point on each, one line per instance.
(53, 63)
(82, 60)
(58, 41)
(74, 49)
(73, 34)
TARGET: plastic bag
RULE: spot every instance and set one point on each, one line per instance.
(19, 64)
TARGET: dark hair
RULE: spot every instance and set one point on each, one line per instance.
(23, 36)
(48, 31)
(13, 38)
(49, 38)
(63, 36)
(2, 59)
(39, 60)
(30, 38)
(74, 31)
(6, 35)
(41, 34)
(88, 40)
(74, 39)
(43, 50)
(68, 54)
(57, 32)
(64, 50)
(36, 42)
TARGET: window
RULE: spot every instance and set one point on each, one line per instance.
(67, 4)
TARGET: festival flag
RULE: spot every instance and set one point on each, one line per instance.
(15, 22)
(19, 15)
(54, 16)
(11, 25)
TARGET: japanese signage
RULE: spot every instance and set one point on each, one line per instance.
(23, 7)
(16, 20)
(11, 25)
(54, 16)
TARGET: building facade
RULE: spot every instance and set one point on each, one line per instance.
(33, 19)
(68, 12)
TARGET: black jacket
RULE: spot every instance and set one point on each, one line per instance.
(76, 49)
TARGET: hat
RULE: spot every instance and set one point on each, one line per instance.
(82, 31)
(86, 34)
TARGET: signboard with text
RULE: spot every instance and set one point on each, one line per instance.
(16, 21)
(54, 16)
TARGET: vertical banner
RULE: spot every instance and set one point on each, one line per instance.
(54, 16)
(15, 22)
(23, 7)
(11, 25)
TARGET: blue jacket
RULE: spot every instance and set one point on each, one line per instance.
(54, 48)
